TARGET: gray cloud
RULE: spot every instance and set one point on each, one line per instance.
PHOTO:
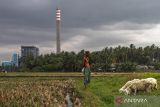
(91, 23)
(83, 13)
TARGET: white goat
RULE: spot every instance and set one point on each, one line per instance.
(141, 85)
(153, 81)
(135, 85)
(121, 90)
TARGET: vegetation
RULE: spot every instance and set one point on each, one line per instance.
(119, 58)
(37, 93)
(50, 91)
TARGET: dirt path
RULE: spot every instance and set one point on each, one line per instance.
(57, 74)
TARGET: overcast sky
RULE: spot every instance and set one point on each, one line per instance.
(86, 24)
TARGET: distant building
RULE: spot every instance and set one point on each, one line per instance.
(7, 65)
(141, 67)
(29, 50)
(11, 65)
(15, 59)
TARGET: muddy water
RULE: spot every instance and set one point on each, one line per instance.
(68, 100)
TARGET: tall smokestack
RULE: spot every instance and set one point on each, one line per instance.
(58, 26)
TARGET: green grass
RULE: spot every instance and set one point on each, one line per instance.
(102, 90)
(99, 93)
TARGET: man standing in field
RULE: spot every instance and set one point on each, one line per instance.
(86, 68)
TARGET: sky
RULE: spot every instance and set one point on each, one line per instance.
(86, 24)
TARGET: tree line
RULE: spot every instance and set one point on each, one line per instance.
(120, 58)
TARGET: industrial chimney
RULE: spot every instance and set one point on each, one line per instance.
(58, 26)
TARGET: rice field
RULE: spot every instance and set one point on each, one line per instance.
(47, 90)
(37, 93)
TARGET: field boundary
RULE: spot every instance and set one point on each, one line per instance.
(57, 74)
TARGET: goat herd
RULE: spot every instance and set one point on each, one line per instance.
(135, 85)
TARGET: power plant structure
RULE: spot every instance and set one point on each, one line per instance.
(58, 28)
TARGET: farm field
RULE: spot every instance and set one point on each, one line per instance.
(51, 89)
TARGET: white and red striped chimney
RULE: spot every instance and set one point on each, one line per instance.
(58, 27)
(58, 14)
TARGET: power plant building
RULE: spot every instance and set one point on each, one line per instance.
(29, 50)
